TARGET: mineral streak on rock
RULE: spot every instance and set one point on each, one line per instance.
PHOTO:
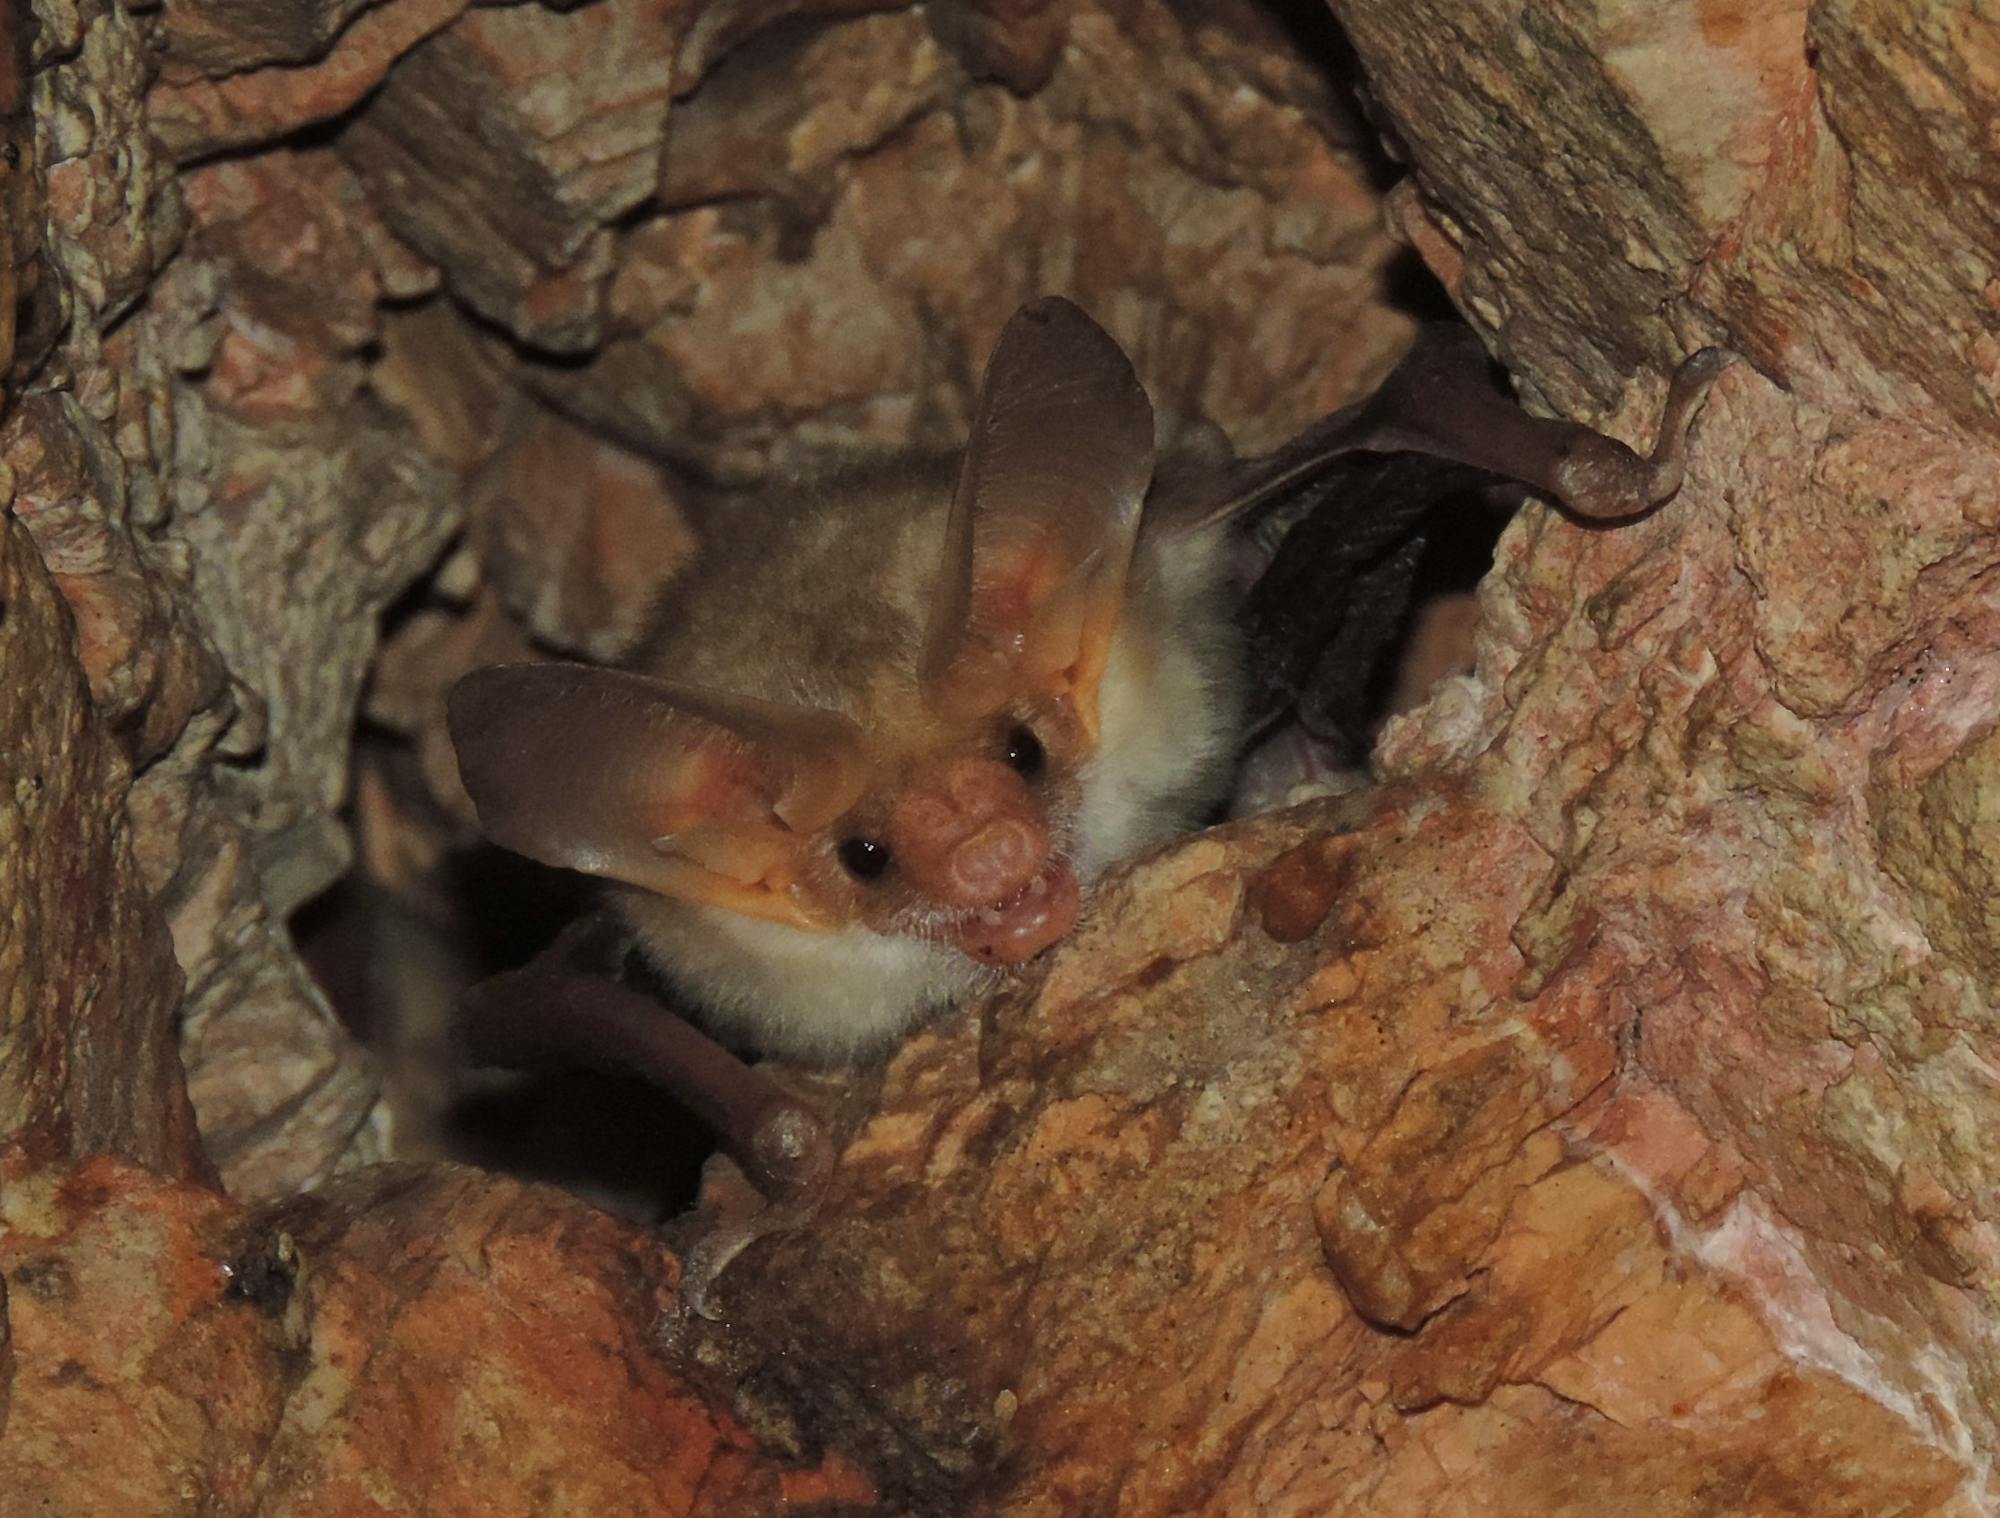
(1345, 1226)
(1769, 829)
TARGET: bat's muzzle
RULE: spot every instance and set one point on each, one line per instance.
(1015, 931)
(971, 836)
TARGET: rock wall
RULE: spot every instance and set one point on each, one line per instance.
(1596, 1117)
(1789, 662)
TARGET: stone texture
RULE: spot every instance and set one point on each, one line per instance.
(503, 146)
(579, 537)
(404, 1344)
(87, 980)
(1597, 1123)
(195, 116)
(196, 414)
(88, 985)
(1363, 1223)
(303, 508)
(216, 37)
(139, 1382)
(798, 317)
(1774, 835)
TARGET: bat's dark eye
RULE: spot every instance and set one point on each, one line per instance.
(864, 858)
(1024, 751)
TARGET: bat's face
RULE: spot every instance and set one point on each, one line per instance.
(961, 834)
(941, 805)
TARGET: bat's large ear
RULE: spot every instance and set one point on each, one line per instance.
(1043, 522)
(687, 792)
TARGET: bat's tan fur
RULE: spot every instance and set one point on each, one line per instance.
(819, 598)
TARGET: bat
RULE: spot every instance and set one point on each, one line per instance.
(880, 741)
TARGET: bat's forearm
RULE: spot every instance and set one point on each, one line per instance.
(1441, 400)
(560, 1010)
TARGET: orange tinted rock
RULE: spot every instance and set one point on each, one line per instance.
(1638, 1068)
(195, 115)
(477, 1347)
(137, 1377)
(1295, 894)
(404, 1342)
(1120, 1238)
(270, 227)
(1773, 697)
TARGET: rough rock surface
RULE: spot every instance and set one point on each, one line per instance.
(197, 116)
(88, 986)
(1286, 1194)
(582, 536)
(1596, 1121)
(513, 204)
(1768, 834)
(780, 309)
(304, 507)
(171, 1352)
(172, 387)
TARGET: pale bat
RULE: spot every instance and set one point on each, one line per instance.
(881, 740)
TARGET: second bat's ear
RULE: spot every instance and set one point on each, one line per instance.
(686, 792)
(1043, 520)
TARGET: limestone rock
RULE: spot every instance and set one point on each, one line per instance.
(1768, 833)
(406, 1344)
(302, 508)
(579, 536)
(88, 986)
(503, 146)
(541, 1312)
(139, 1381)
(1017, 42)
(800, 318)
(195, 115)
(149, 487)
(1393, 1230)
(149, 670)
(217, 37)
(87, 980)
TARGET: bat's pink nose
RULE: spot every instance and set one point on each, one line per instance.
(969, 833)
(996, 861)
(1017, 930)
